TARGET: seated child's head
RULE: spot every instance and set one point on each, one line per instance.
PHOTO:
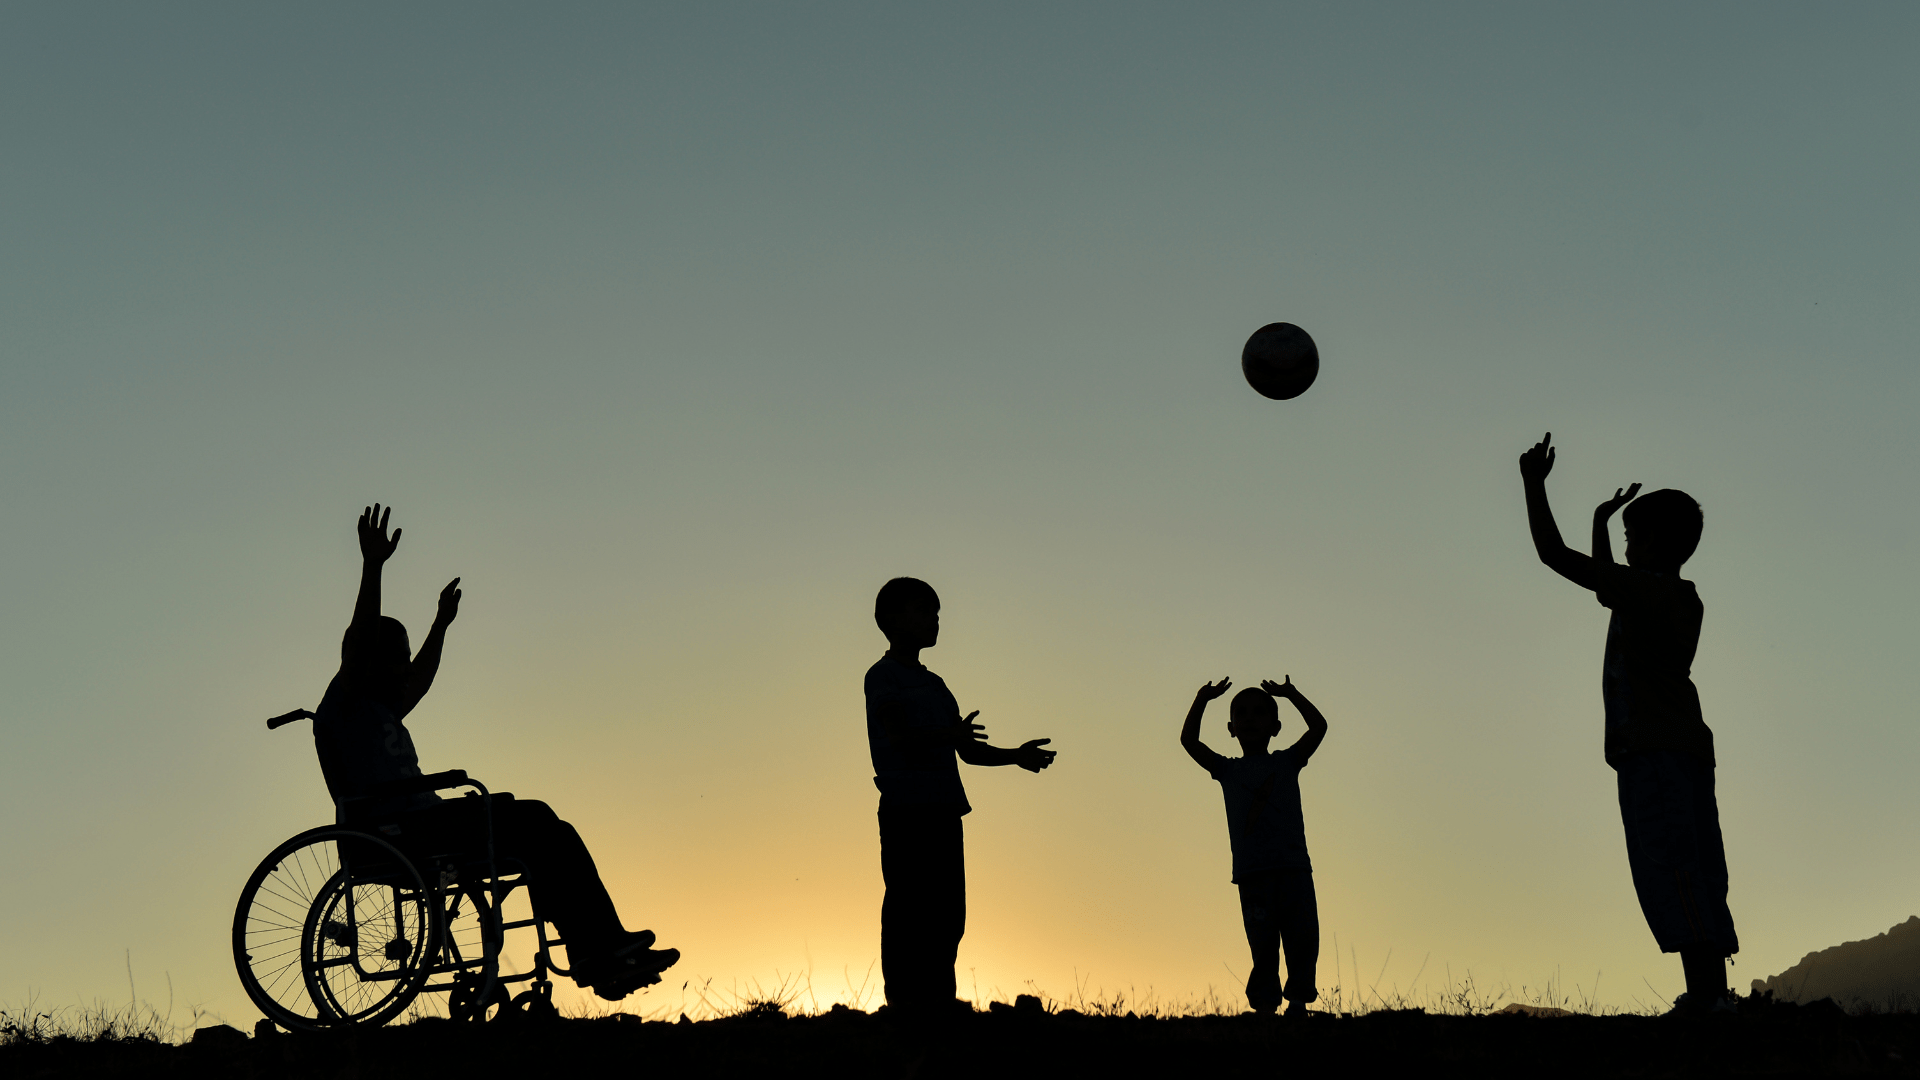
(1253, 718)
(388, 653)
(908, 612)
(1663, 528)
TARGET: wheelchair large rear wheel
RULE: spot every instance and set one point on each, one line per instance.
(317, 946)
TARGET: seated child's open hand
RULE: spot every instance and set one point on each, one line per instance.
(1209, 691)
(1280, 689)
(1031, 757)
(449, 603)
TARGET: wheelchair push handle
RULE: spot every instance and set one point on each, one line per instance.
(287, 718)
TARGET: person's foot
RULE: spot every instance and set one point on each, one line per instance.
(1296, 1009)
(630, 965)
(1690, 1005)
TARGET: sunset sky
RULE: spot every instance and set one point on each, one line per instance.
(677, 330)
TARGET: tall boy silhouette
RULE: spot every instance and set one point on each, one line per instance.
(1656, 740)
(914, 732)
(1269, 836)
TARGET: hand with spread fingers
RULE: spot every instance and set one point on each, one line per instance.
(375, 545)
(1284, 689)
(1209, 691)
(1612, 506)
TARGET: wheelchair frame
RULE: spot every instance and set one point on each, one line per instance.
(339, 927)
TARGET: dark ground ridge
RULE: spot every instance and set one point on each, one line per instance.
(1763, 1039)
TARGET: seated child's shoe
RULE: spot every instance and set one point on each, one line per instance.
(632, 964)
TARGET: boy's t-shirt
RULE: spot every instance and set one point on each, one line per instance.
(1264, 823)
(1647, 678)
(362, 739)
(925, 776)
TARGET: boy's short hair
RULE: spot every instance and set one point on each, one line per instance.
(1669, 519)
(898, 594)
(1256, 705)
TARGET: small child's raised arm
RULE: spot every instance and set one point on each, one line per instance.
(1190, 730)
(1306, 744)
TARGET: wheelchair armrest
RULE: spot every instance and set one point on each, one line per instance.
(413, 785)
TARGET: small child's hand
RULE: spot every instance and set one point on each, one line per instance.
(1536, 463)
(1620, 498)
(1031, 757)
(1209, 691)
(1281, 689)
(449, 602)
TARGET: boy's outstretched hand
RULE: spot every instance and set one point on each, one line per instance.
(375, 545)
(1536, 463)
(1620, 498)
(449, 600)
(1031, 757)
(1209, 691)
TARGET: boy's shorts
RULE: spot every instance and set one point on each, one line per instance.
(1673, 846)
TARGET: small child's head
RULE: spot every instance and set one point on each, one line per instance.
(908, 612)
(1663, 528)
(1253, 718)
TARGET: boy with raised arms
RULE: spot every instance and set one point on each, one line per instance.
(1268, 835)
(1656, 740)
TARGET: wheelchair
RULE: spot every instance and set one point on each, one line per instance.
(339, 927)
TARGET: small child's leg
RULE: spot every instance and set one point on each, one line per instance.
(1259, 913)
(1299, 912)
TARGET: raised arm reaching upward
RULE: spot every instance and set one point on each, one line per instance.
(1602, 543)
(1535, 464)
(1200, 752)
(426, 662)
(375, 549)
(1306, 744)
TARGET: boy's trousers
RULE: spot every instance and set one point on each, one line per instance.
(923, 859)
(1280, 911)
(1673, 845)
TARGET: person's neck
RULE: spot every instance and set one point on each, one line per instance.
(1254, 751)
(905, 655)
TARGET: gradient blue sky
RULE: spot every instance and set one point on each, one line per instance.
(676, 330)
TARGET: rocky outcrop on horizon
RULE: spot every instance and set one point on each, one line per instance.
(1881, 973)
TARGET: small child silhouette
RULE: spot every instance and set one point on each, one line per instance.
(1659, 746)
(1269, 836)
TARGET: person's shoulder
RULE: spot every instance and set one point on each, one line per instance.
(888, 673)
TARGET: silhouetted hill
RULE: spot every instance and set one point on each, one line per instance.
(1882, 972)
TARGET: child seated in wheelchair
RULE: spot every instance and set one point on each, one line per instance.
(362, 741)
